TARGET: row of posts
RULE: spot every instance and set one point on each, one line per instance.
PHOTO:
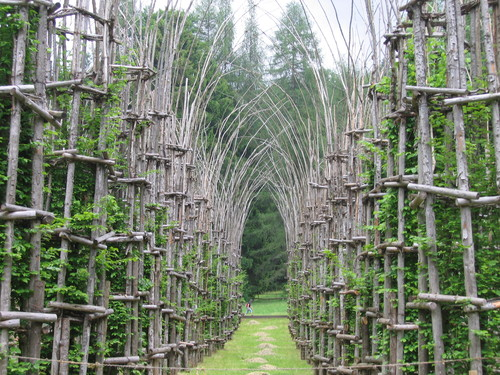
(362, 293)
(159, 290)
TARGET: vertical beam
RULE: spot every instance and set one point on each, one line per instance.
(493, 82)
(401, 165)
(19, 54)
(426, 177)
(457, 79)
(61, 341)
(35, 302)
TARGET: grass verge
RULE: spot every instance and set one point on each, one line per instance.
(270, 303)
(271, 295)
(269, 307)
(260, 346)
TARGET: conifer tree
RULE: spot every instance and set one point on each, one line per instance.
(225, 23)
(250, 55)
(214, 20)
(206, 20)
(295, 46)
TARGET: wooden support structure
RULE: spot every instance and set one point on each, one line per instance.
(360, 243)
(145, 227)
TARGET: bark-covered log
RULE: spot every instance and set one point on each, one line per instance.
(76, 307)
(10, 324)
(42, 112)
(32, 316)
(482, 201)
(121, 360)
(452, 299)
(454, 193)
(31, 88)
(438, 90)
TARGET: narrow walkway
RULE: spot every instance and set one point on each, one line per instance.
(259, 347)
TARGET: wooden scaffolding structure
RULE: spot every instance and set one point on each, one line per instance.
(367, 277)
(136, 244)
(150, 258)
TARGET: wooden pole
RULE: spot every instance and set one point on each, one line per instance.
(18, 67)
(61, 342)
(401, 165)
(35, 302)
(426, 170)
(456, 78)
(101, 186)
(493, 82)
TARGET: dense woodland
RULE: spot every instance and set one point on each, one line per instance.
(156, 172)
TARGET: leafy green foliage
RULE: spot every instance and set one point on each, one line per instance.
(263, 247)
(294, 46)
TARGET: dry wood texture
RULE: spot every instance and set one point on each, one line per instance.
(175, 297)
(149, 235)
(360, 302)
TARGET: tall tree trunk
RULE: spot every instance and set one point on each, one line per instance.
(425, 176)
(19, 54)
(35, 302)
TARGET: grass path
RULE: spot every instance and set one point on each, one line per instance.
(268, 307)
(269, 303)
(259, 347)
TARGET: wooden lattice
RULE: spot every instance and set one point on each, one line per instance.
(174, 296)
(339, 323)
(162, 264)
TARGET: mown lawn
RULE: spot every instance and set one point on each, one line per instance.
(269, 307)
(259, 346)
(270, 303)
(272, 295)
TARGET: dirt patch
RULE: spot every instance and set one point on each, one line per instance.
(256, 360)
(268, 367)
(261, 334)
(266, 338)
(266, 352)
(253, 322)
(258, 373)
(269, 328)
(266, 345)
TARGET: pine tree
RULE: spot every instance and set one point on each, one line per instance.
(250, 55)
(295, 46)
(225, 24)
(214, 20)
(206, 20)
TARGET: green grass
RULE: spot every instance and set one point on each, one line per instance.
(271, 295)
(268, 307)
(270, 303)
(264, 339)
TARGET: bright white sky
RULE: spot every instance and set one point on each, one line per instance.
(323, 20)
(328, 17)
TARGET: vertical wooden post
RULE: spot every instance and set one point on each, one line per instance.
(35, 302)
(493, 82)
(10, 190)
(61, 340)
(426, 171)
(60, 349)
(456, 79)
(401, 166)
(102, 327)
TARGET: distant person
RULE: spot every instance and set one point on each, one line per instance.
(249, 307)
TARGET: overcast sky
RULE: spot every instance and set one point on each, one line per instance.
(328, 18)
(324, 21)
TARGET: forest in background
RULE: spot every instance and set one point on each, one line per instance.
(265, 126)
